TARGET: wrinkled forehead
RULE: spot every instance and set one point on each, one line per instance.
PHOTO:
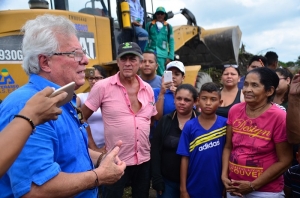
(129, 55)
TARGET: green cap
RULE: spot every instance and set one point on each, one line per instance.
(161, 9)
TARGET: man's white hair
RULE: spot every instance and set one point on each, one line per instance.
(40, 37)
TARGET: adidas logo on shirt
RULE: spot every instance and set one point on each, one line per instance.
(209, 145)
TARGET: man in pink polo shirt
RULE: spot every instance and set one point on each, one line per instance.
(127, 105)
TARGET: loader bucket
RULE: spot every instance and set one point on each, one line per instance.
(209, 47)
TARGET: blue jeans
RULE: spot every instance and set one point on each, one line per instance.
(142, 37)
(258, 194)
(172, 190)
(138, 176)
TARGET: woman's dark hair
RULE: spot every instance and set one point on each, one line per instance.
(261, 59)
(286, 74)
(101, 70)
(210, 87)
(237, 69)
(268, 78)
(188, 87)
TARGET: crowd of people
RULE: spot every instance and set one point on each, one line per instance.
(134, 129)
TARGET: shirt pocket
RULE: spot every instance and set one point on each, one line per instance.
(147, 111)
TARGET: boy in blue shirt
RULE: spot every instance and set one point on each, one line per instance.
(201, 145)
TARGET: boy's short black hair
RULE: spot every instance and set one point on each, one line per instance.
(210, 87)
(151, 52)
(261, 59)
(272, 57)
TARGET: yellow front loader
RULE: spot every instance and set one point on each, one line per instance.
(98, 33)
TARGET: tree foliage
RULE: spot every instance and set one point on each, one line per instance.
(245, 56)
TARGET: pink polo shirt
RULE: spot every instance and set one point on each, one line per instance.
(120, 122)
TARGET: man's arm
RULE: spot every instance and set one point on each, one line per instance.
(110, 170)
(293, 111)
(87, 112)
(63, 185)
(183, 176)
(161, 99)
(40, 108)
(141, 13)
(91, 142)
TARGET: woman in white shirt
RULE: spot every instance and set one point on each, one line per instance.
(95, 121)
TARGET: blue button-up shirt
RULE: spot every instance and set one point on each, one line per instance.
(169, 104)
(136, 11)
(56, 146)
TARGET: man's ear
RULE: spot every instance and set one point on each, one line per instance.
(288, 79)
(44, 63)
(248, 68)
(183, 77)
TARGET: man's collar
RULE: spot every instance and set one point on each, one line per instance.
(153, 77)
(41, 82)
(116, 80)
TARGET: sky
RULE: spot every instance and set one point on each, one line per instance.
(266, 25)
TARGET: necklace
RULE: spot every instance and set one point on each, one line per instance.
(181, 125)
(257, 108)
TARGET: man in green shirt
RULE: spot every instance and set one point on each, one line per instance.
(161, 39)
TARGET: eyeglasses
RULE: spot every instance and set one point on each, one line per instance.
(160, 13)
(96, 78)
(229, 65)
(76, 54)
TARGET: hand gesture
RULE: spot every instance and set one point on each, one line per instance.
(295, 85)
(40, 108)
(111, 168)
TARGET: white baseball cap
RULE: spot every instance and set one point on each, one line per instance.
(177, 64)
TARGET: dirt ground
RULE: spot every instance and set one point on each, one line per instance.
(127, 193)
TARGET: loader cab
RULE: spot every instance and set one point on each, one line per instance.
(105, 8)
